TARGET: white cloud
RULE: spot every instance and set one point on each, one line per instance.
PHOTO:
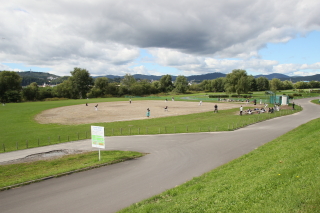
(195, 37)
(140, 70)
(193, 65)
(168, 57)
(304, 73)
(7, 68)
(298, 69)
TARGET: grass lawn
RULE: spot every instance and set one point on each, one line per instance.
(22, 172)
(280, 176)
(316, 101)
(20, 131)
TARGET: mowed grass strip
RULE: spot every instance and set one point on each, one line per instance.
(19, 173)
(281, 176)
(316, 101)
(225, 120)
(19, 130)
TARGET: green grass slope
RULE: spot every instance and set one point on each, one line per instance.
(281, 176)
(23, 172)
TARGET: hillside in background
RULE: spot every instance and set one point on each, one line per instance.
(302, 78)
(40, 78)
(43, 77)
(273, 75)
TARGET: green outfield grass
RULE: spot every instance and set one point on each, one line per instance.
(23, 172)
(281, 176)
(19, 130)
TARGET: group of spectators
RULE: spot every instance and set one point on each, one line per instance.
(262, 110)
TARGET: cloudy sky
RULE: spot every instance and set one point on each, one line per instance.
(181, 37)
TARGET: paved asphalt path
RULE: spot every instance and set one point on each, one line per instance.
(172, 160)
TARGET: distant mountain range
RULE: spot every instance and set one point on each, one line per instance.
(273, 75)
(44, 77)
(210, 76)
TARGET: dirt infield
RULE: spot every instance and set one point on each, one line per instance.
(124, 111)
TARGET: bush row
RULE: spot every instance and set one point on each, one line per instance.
(218, 96)
(249, 95)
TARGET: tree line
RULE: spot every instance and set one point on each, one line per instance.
(81, 85)
(238, 81)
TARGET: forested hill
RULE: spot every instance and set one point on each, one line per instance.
(273, 75)
(303, 78)
(40, 78)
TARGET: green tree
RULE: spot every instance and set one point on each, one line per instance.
(31, 92)
(252, 83)
(205, 85)
(64, 89)
(81, 82)
(314, 84)
(262, 84)
(156, 85)
(218, 84)
(181, 84)
(13, 96)
(123, 90)
(301, 85)
(276, 84)
(166, 84)
(237, 82)
(103, 88)
(195, 87)
(146, 86)
(45, 92)
(95, 93)
(100, 88)
(128, 80)
(137, 89)
(287, 85)
(10, 86)
(112, 89)
(101, 83)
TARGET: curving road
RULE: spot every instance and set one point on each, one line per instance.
(173, 160)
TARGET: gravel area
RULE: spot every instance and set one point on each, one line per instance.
(44, 156)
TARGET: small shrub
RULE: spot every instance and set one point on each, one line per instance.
(107, 96)
(218, 96)
(296, 94)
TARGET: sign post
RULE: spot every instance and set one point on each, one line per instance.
(97, 137)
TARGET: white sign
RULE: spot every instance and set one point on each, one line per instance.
(97, 137)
